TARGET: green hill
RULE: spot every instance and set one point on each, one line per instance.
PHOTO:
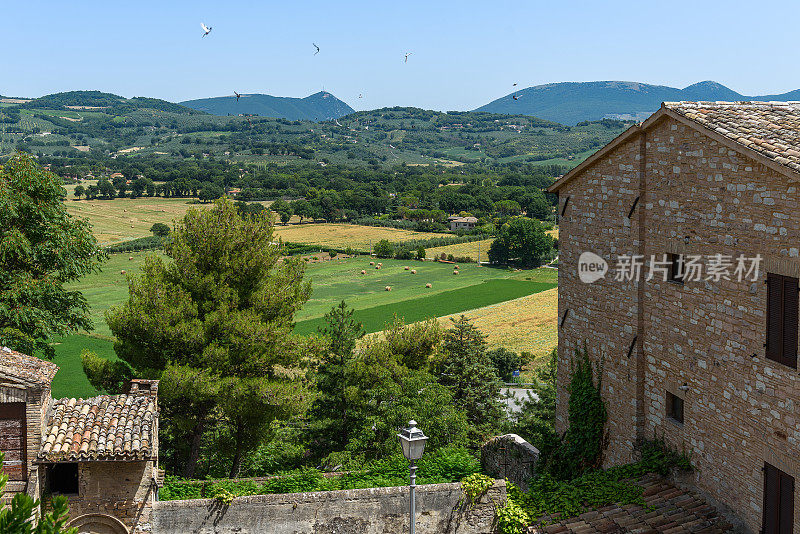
(573, 102)
(317, 107)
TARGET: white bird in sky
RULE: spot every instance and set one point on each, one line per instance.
(206, 29)
(315, 46)
(407, 54)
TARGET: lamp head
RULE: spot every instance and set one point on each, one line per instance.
(412, 440)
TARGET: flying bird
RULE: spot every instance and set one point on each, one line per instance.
(237, 95)
(360, 95)
(206, 29)
(514, 85)
(407, 54)
(315, 46)
(515, 97)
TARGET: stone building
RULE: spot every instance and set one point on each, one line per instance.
(101, 452)
(699, 350)
(457, 222)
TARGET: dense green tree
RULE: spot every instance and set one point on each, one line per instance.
(301, 208)
(536, 206)
(384, 249)
(283, 209)
(522, 241)
(505, 362)
(42, 248)
(467, 371)
(421, 253)
(537, 418)
(106, 189)
(160, 229)
(507, 208)
(332, 422)
(79, 191)
(210, 192)
(19, 517)
(214, 323)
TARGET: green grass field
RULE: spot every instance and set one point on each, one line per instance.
(332, 282)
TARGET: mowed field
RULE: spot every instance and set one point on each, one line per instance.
(345, 235)
(473, 249)
(122, 219)
(332, 281)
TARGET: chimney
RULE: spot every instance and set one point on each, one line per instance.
(142, 388)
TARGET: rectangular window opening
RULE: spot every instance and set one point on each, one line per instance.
(677, 270)
(674, 408)
(63, 479)
(778, 501)
(13, 434)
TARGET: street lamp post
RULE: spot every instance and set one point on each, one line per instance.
(412, 440)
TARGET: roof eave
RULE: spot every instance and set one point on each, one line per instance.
(649, 123)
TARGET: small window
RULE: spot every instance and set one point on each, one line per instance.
(674, 407)
(676, 268)
(63, 479)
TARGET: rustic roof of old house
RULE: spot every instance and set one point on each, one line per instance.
(770, 128)
(106, 427)
(27, 368)
(769, 132)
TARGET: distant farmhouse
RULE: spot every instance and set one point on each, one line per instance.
(461, 223)
(101, 452)
(698, 350)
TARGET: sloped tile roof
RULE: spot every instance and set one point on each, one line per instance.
(27, 368)
(770, 128)
(667, 509)
(106, 427)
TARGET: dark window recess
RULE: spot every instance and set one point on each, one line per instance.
(633, 207)
(566, 203)
(63, 479)
(13, 434)
(782, 319)
(677, 271)
(674, 407)
(778, 501)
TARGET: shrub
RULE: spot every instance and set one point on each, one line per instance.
(384, 249)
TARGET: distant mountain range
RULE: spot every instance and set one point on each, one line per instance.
(573, 102)
(317, 107)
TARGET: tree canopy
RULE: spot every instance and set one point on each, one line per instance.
(42, 248)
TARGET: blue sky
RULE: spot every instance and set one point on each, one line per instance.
(464, 53)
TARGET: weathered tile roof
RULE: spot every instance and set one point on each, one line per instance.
(667, 509)
(27, 368)
(106, 427)
(770, 128)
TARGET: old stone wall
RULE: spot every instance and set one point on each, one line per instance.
(702, 341)
(601, 316)
(440, 510)
(510, 457)
(123, 490)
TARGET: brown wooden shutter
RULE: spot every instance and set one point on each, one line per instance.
(12, 440)
(789, 353)
(774, 316)
(771, 500)
(786, 504)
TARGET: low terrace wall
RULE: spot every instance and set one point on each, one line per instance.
(441, 509)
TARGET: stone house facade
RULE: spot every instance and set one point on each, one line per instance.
(706, 362)
(462, 223)
(101, 453)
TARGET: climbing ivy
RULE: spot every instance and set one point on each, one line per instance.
(581, 447)
(475, 485)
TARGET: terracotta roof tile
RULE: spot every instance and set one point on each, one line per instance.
(770, 128)
(28, 368)
(106, 427)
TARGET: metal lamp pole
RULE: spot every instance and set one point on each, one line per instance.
(412, 488)
(412, 440)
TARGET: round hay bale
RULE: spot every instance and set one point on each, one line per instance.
(413, 271)
(456, 267)
(388, 288)
(363, 271)
(455, 272)
(122, 272)
(428, 285)
(406, 267)
(379, 263)
(377, 266)
(372, 263)
(130, 258)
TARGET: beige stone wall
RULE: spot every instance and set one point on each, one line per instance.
(119, 489)
(701, 198)
(602, 316)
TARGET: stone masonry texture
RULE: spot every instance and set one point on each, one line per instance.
(703, 341)
(441, 509)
